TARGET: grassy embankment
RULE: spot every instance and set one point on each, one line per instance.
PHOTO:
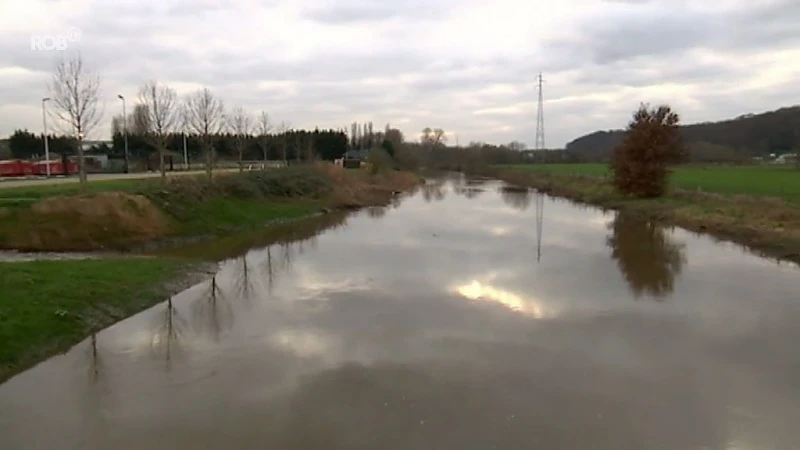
(757, 206)
(121, 215)
(47, 306)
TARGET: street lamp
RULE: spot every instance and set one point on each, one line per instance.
(46, 145)
(125, 129)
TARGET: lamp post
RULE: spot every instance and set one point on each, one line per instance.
(125, 129)
(46, 145)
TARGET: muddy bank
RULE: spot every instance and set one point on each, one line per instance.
(768, 226)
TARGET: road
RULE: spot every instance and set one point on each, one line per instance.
(9, 183)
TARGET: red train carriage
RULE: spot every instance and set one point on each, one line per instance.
(21, 168)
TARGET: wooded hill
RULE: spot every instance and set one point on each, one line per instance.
(740, 138)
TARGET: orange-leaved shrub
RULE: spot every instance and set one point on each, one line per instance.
(652, 142)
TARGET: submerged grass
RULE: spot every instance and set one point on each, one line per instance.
(48, 306)
(766, 224)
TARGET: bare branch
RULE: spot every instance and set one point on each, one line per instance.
(263, 127)
(240, 124)
(140, 120)
(75, 92)
(204, 114)
(283, 129)
(160, 105)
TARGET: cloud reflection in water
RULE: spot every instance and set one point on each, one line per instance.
(475, 290)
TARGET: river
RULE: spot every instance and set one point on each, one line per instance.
(470, 315)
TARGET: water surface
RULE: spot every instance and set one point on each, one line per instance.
(468, 316)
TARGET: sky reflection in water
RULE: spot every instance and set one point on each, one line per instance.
(465, 316)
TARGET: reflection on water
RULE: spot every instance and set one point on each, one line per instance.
(519, 198)
(245, 283)
(168, 329)
(466, 187)
(648, 259)
(95, 361)
(376, 212)
(433, 190)
(516, 197)
(539, 224)
(239, 244)
(437, 323)
(213, 313)
(476, 290)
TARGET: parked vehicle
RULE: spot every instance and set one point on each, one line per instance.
(23, 168)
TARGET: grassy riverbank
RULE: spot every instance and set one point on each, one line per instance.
(48, 306)
(770, 225)
(131, 214)
(782, 181)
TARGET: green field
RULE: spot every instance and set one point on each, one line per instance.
(47, 306)
(765, 180)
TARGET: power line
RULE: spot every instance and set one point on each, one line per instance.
(540, 118)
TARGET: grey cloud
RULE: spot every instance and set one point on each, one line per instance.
(354, 11)
(653, 32)
(129, 42)
(658, 70)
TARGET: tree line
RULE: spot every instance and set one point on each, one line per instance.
(740, 139)
(291, 145)
(162, 126)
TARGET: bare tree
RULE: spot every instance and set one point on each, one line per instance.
(263, 127)
(161, 109)
(283, 129)
(426, 136)
(117, 126)
(516, 146)
(354, 134)
(204, 114)
(240, 124)
(75, 91)
(140, 120)
(433, 137)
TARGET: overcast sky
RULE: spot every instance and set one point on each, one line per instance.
(467, 66)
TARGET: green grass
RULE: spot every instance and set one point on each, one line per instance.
(762, 180)
(49, 190)
(230, 214)
(48, 306)
(237, 244)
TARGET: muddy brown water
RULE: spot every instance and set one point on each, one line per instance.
(464, 317)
